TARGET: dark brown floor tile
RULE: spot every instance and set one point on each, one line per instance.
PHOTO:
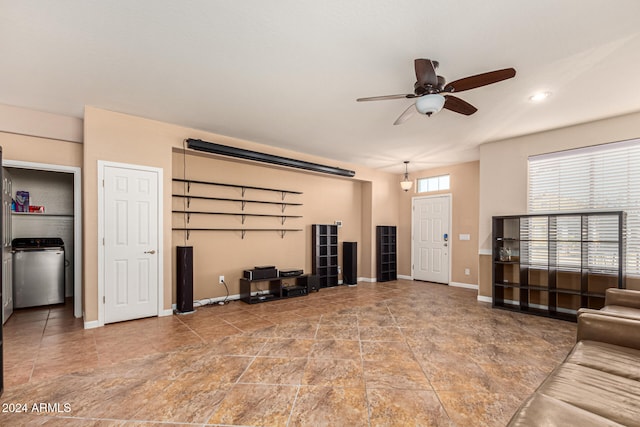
(238, 345)
(287, 347)
(214, 369)
(181, 401)
(213, 333)
(330, 406)
(337, 332)
(339, 319)
(517, 379)
(17, 374)
(376, 319)
(480, 408)
(303, 329)
(457, 375)
(252, 325)
(384, 351)
(78, 338)
(335, 349)
(406, 375)
(334, 373)
(274, 370)
(380, 333)
(255, 404)
(406, 408)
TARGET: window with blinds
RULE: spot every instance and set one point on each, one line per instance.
(599, 178)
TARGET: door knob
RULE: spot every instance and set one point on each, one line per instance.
(152, 251)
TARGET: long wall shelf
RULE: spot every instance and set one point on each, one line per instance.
(282, 231)
(242, 187)
(243, 214)
(228, 199)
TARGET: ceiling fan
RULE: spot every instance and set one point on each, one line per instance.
(429, 86)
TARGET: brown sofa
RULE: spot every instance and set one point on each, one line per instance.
(622, 302)
(598, 384)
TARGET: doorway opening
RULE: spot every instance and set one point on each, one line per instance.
(68, 221)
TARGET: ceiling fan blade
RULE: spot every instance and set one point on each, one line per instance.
(456, 104)
(425, 72)
(406, 115)
(380, 98)
(479, 80)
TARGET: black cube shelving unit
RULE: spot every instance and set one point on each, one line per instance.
(554, 264)
(386, 255)
(325, 254)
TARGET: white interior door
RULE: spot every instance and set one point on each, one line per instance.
(7, 256)
(431, 238)
(130, 209)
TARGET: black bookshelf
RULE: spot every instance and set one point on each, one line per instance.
(386, 255)
(324, 247)
(553, 265)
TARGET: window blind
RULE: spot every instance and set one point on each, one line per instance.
(603, 177)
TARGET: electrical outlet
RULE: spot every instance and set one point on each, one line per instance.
(339, 269)
(220, 279)
(467, 271)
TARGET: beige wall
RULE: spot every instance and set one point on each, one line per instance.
(40, 150)
(464, 190)
(325, 199)
(503, 170)
(23, 121)
(122, 138)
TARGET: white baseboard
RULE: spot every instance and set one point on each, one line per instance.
(91, 325)
(167, 312)
(463, 285)
(366, 279)
(403, 277)
(482, 298)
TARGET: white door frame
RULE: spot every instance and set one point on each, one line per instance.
(413, 212)
(101, 234)
(77, 221)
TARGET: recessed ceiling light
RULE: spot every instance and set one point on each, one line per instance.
(540, 96)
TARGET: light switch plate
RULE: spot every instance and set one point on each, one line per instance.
(465, 237)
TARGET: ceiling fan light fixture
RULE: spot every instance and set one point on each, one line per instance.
(406, 183)
(429, 104)
(539, 96)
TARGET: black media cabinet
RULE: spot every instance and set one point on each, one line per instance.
(264, 290)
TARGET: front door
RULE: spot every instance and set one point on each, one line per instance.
(431, 238)
(131, 208)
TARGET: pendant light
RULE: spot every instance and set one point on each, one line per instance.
(406, 183)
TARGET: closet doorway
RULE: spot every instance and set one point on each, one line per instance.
(73, 222)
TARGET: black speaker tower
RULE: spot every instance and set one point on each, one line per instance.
(184, 282)
(350, 261)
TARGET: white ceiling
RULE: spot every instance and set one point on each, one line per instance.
(287, 72)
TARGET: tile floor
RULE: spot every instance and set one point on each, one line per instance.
(380, 354)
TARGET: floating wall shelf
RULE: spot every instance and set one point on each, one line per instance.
(243, 203)
(243, 215)
(282, 231)
(243, 187)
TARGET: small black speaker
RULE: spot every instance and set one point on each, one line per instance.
(184, 282)
(350, 263)
(311, 281)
